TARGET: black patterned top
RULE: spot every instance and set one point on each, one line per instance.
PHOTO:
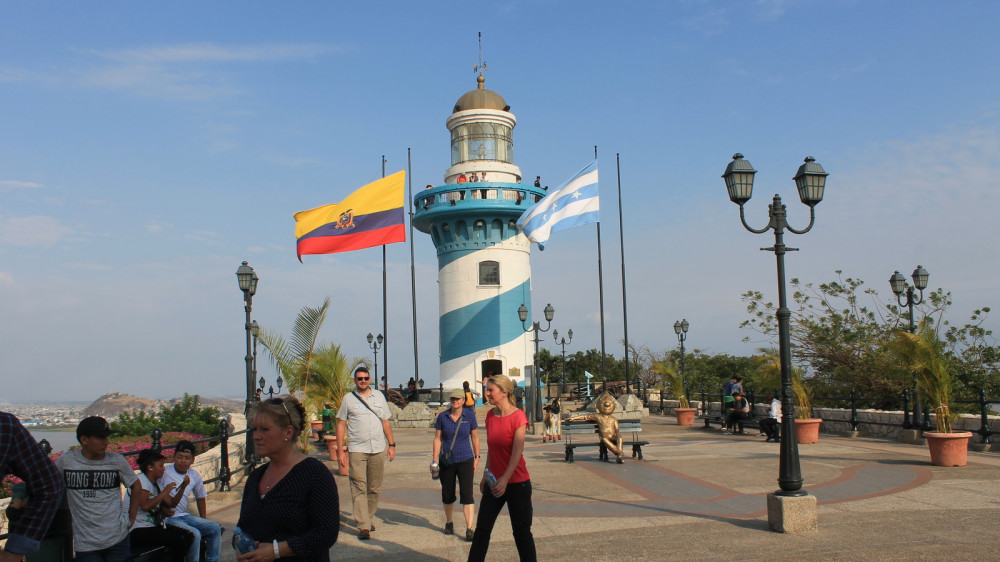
(303, 508)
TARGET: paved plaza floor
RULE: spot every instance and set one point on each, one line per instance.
(698, 494)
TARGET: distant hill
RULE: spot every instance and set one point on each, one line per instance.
(112, 404)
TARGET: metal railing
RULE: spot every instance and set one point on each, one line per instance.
(852, 403)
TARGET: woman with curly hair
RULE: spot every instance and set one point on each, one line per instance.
(290, 505)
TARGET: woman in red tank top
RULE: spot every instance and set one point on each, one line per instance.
(505, 430)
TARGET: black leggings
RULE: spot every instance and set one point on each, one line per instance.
(464, 472)
(518, 500)
(177, 540)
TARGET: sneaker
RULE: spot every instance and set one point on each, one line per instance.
(364, 535)
(469, 533)
(373, 528)
(449, 528)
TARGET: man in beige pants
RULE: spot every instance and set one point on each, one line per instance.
(364, 417)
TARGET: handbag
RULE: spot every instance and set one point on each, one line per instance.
(444, 457)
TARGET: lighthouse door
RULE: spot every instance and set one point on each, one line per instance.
(492, 367)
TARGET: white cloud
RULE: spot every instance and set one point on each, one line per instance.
(773, 9)
(15, 184)
(208, 52)
(156, 227)
(6, 279)
(202, 235)
(35, 230)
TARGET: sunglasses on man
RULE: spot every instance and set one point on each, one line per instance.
(363, 378)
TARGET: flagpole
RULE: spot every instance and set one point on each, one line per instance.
(621, 239)
(600, 290)
(385, 319)
(413, 271)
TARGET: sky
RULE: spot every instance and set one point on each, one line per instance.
(147, 149)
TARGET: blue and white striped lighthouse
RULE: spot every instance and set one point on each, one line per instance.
(484, 272)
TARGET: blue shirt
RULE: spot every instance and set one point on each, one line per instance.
(462, 451)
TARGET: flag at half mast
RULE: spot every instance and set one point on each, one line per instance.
(573, 203)
(371, 216)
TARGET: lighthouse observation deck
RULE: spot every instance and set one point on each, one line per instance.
(465, 215)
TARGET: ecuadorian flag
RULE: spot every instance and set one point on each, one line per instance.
(371, 216)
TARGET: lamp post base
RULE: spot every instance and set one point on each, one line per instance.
(787, 514)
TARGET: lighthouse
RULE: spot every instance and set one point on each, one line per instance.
(484, 271)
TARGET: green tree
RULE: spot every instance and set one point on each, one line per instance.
(188, 415)
(841, 333)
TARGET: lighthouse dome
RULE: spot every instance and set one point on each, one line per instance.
(481, 98)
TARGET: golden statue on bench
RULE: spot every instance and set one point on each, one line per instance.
(607, 425)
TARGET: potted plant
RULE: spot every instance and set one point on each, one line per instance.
(922, 354)
(684, 412)
(806, 426)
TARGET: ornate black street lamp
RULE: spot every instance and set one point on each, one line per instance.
(681, 329)
(899, 286)
(810, 181)
(247, 279)
(375, 343)
(255, 332)
(562, 342)
(536, 397)
(270, 389)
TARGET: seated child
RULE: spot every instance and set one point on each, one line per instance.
(149, 530)
(179, 472)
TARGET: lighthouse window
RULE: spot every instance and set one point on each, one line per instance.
(481, 141)
(489, 273)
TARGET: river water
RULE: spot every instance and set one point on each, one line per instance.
(60, 440)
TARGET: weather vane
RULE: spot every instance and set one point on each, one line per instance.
(481, 67)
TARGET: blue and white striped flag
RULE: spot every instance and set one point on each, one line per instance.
(573, 203)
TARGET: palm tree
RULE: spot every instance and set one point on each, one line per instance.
(669, 375)
(769, 361)
(923, 354)
(320, 371)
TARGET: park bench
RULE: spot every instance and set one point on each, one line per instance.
(629, 430)
(709, 418)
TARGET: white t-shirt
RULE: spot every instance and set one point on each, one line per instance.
(143, 518)
(95, 498)
(196, 486)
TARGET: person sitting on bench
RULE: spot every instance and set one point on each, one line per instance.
(741, 411)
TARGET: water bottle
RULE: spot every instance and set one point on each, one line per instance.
(242, 541)
(435, 471)
(491, 481)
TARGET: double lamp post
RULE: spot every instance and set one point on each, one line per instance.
(899, 286)
(561, 342)
(247, 279)
(811, 182)
(535, 399)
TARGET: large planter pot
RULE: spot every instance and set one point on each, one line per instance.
(948, 449)
(685, 416)
(317, 425)
(807, 431)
